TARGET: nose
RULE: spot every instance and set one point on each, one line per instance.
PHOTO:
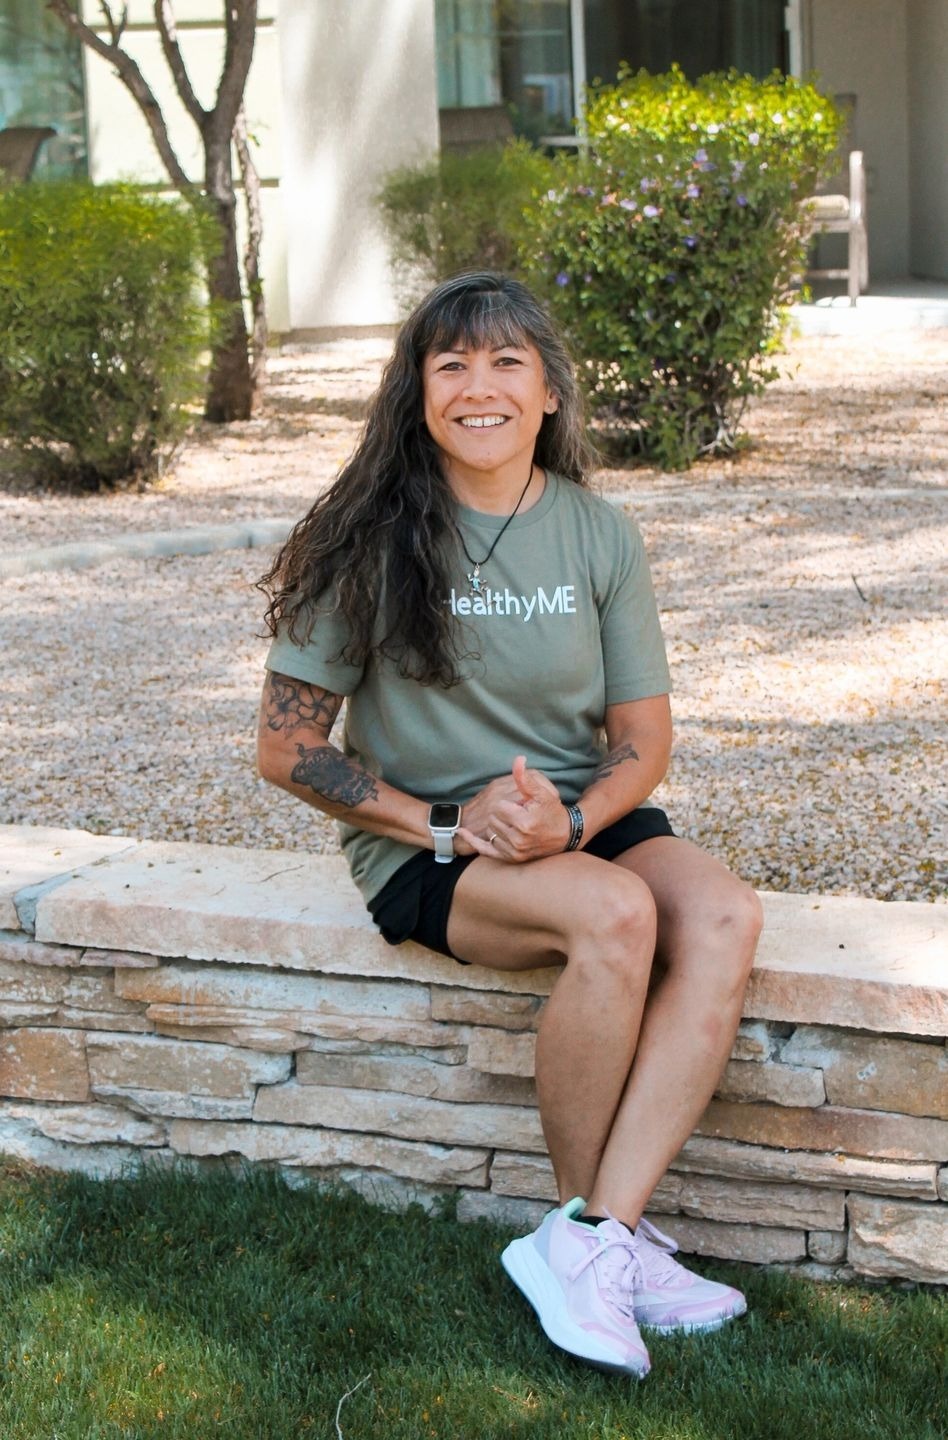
(479, 380)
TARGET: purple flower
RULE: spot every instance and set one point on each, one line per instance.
(690, 242)
(742, 201)
(692, 192)
(737, 169)
(628, 205)
(754, 138)
(650, 210)
(583, 190)
(562, 278)
(701, 155)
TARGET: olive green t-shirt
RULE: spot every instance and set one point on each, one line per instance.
(566, 624)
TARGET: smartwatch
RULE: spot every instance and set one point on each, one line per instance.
(444, 819)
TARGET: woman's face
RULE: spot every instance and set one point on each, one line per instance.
(484, 408)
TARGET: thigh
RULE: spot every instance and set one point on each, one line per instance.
(697, 898)
(519, 917)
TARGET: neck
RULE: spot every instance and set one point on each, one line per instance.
(498, 494)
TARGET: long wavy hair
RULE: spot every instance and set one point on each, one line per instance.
(378, 541)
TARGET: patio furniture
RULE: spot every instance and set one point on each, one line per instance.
(841, 214)
(19, 148)
(470, 127)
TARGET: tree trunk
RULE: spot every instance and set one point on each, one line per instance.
(230, 387)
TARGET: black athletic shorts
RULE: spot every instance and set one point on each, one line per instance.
(415, 903)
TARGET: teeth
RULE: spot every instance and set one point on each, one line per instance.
(482, 422)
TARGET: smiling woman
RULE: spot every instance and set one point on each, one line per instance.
(493, 785)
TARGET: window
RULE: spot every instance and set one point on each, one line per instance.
(41, 83)
(515, 53)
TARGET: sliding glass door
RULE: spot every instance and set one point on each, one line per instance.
(698, 35)
(535, 56)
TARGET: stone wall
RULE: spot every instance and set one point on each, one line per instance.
(186, 1001)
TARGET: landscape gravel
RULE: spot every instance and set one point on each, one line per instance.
(801, 584)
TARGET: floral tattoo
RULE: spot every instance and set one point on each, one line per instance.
(292, 704)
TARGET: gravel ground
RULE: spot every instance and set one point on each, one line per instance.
(801, 586)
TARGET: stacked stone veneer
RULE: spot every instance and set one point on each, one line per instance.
(184, 1000)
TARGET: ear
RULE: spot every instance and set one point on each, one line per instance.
(551, 404)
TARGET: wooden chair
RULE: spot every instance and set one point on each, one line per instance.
(19, 148)
(840, 214)
(472, 126)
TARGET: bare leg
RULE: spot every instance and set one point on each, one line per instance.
(708, 926)
(600, 920)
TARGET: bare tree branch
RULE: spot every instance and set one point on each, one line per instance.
(168, 30)
(133, 80)
(251, 182)
(116, 28)
(240, 23)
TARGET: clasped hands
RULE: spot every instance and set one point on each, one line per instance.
(515, 818)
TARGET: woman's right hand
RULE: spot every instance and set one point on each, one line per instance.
(515, 818)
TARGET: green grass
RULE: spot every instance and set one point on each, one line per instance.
(177, 1305)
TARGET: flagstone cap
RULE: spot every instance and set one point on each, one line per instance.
(823, 959)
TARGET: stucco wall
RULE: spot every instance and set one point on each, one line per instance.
(928, 122)
(358, 99)
(860, 47)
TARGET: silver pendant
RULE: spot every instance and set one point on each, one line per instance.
(474, 580)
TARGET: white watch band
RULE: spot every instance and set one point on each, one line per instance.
(443, 844)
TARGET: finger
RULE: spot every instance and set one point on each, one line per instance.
(478, 843)
(522, 780)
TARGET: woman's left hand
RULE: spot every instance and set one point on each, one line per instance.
(516, 818)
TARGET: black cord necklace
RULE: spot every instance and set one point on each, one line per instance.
(474, 578)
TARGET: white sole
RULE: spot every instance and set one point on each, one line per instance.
(698, 1328)
(537, 1283)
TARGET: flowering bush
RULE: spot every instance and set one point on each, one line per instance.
(668, 251)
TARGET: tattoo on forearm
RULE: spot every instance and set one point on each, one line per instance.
(333, 776)
(293, 703)
(614, 759)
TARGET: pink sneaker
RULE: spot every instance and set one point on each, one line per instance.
(670, 1298)
(579, 1281)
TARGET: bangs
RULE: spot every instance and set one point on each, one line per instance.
(474, 320)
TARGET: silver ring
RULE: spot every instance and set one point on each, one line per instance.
(492, 838)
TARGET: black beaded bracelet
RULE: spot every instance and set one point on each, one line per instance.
(575, 827)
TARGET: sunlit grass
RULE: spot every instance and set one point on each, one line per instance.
(177, 1305)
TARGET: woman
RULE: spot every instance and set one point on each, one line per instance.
(493, 628)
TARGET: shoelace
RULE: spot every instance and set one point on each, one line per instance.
(618, 1279)
(656, 1255)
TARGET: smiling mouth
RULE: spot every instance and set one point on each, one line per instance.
(482, 422)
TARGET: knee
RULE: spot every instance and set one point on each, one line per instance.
(614, 930)
(735, 917)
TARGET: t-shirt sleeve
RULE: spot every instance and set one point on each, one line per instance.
(633, 649)
(319, 661)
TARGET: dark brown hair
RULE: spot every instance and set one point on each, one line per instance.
(377, 541)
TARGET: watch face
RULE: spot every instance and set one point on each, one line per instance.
(444, 816)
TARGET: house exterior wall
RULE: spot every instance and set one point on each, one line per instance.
(928, 128)
(860, 48)
(358, 99)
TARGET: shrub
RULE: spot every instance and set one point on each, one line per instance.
(102, 328)
(460, 212)
(668, 252)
